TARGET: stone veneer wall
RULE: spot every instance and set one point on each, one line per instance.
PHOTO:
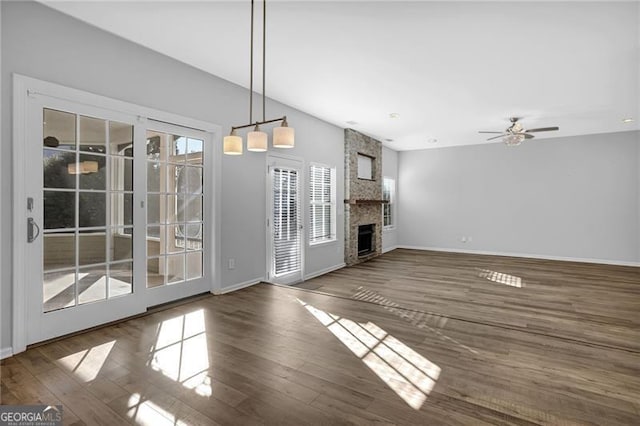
(361, 189)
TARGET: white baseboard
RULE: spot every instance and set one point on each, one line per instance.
(6, 352)
(388, 249)
(524, 255)
(240, 286)
(324, 271)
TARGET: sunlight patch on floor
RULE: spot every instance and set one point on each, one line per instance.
(87, 364)
(146, 412)
(181, 353)
(501, 278)
(410, 375)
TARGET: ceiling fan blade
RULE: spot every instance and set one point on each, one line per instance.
(496, 137)
(527, 136)
(542, 129)
(482, 131)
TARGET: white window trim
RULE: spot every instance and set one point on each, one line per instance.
(392, 203)
(334, 236)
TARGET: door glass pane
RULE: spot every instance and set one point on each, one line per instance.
(120, 139)
(194, 265)
(120, 279)
(155, 271)
(93, 247)
(174, 188)
(93, 135)
(121, 244)
(59, 250)
(92, 284)
(121, 209)
(59, 209)
(175, 268)
(286, 222)
(58, 168)
(59, 290)
(59, 129)
(92, 209)
(93, 172)
(121, 171)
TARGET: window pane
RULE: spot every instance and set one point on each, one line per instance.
(176, 208)
(93, 172)
(93, 247)
(189, 180)
(120, 139)
(59, 129)
(93, 135)
(177, 149)
(57, 169)
(194, 151)
(92, 284)
(92, 209)
(59, 209)
(59, 290)
(59, 250)
(193, 209)
(155, 148)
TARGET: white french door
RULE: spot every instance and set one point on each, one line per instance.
(119, 214)
(178, 201)
(82, 265)
(284, 222)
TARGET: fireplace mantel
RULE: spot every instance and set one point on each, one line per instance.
(352, 201)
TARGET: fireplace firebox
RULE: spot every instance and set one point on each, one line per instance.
(365, 239)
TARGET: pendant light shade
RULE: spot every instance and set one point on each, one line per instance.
(283, 136)
(232, 144)
(257, 140)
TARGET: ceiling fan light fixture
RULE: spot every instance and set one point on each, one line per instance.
(513, 139)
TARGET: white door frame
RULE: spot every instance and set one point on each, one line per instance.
(27, 87)
(272, 160)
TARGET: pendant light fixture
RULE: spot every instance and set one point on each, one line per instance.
(257, 140)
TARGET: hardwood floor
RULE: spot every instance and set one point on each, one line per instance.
(408, 338)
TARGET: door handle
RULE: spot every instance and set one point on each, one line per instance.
(31, 224)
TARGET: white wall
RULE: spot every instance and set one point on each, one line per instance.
(571, 197)
(390, 169)
(41, 43)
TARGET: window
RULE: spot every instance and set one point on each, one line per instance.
(388, 194)
(322, 197)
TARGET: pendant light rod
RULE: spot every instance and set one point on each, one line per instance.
(264, 56)
(251, 68)
(284, 118)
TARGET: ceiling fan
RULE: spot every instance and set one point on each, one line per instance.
(515, 134)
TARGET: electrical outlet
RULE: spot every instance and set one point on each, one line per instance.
(232, 264)
(463, 239)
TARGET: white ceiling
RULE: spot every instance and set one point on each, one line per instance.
(448, 68)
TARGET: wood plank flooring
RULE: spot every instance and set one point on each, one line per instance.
(408, 338)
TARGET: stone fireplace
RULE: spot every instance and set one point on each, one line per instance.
(363, 197)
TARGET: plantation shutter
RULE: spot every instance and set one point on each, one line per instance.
(286, 221)
(321, 206)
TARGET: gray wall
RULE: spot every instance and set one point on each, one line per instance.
(41, 43)
(390, 169)
(571, 197)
